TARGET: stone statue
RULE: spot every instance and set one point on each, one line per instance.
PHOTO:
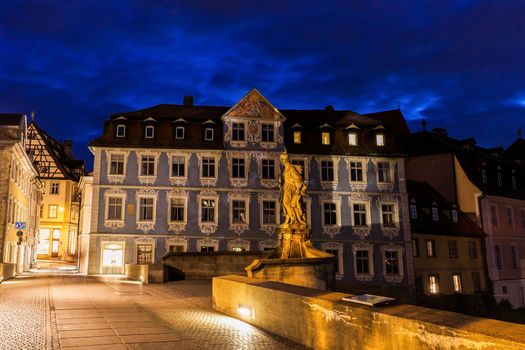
(292, 191)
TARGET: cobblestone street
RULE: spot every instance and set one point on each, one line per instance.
(67, 311)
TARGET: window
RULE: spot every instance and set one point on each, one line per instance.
(149, 132)
(433, 284)
(297, 137)
(476, 281)
(325, 138)
(336, 253)
(146, 209)
(115, 208)
(52, 214)
(500, 179)
(415, 247)
(178, 166)
(494, 215)
(179, 133)
(352, 139)
(301, 164)
(510, 217)
(456, 279)
(387, 214)
(147, 166)
(177, 209)
(267, 133)
(207, 249)
(327, 170)
(116, 164)
(144, 254)
(514, 184)
(391, 262)
(497, 257)
(472, 250)
(54, 187)
(356, 171)
(514, 256)
(237, 132)
(121, 130)
(208, 134)
(208, 167)
(113, 256)
(484, 175)
(330, 214)
(380, 139)
(383, 172)
(413, 211)
(269, 213)
(453, 249)
(207, 210)
(435, 214)
(268, 169)
(362, 262)
(238, 168)
(431, 248)
(238, 212)
(360, 214)
(454, 214)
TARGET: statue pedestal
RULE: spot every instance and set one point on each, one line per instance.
(296, 262)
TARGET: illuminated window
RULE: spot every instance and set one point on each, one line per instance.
(54, 187)
(147, 167)
(177, 209)
(430, 246)
(207, 210)
(268, 169)
(208, 134)
(149, 132)
(456, 278)
(453, 249)
(267, 133)
(72, 241)
(352, 139)
(53, 209)
(297, 137)
(121, 131)
(113, 255)
(356, 171)
(327, 170)
(238, 168)
(237, 132)
(179, 133)
(237, 249)
(238, 212)
(144, 254)
(325, 138)
(380, 139)
(115, 208)
(433, 284)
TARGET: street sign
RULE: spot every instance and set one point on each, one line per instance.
(20, 225)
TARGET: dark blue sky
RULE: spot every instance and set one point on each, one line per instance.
(459, 64)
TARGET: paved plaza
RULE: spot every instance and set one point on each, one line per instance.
(53, 308)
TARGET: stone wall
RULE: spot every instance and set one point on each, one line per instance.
(320, 320)
(7, 271)
(152, 273)
(197, 265)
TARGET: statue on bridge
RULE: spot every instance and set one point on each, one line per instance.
(292, 191)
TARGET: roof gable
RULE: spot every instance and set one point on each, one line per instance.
(254, 104)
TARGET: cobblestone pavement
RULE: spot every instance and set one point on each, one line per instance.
(90, 313)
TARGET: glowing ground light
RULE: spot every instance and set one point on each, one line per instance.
(246, 311)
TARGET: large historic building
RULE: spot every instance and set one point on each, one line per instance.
(201, 178)
(59, 211)
(487, 185)
(20, 194)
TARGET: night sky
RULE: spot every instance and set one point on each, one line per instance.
(459, 64)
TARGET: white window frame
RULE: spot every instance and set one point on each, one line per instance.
(239, 227)
(48, 212)
(238, 243)
(380, 139)
(269, 183)
(328, 185)
(116, 178)
(177, 129)
(391, 172)
(363, 169)
(177, 226)
(209, 181)
(337, 203)
(208, 227)
(239, 142)
(368, 215)
(178, 180)
(176, 241)
(103, 245)
(145, 242)
(206, 130)
(393, 248)
(277, 211)
(274, 133)
(119, 134)
(238, 181)
(370, 248)
(352, 141)
(107, 196)
(149, 127)
(145, 196)
(434, 211)
(395, 214)
(340, 259)
(147, 179)
(207, 242)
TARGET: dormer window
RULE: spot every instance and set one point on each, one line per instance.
(208, 134)
(484, 177)
(413, 211)
(297, 137)
(352, 139)
(513, 180)
(267, 134)
(380, 139)
(149, 132)
(325, 138)
(435, 213)
(121, 130)
(179, 133)
(454, 214)
(500, 178)
(238, 132)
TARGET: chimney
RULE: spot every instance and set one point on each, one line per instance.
(68, 148)
(440, 131)
(329, 108)
(188, 101)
